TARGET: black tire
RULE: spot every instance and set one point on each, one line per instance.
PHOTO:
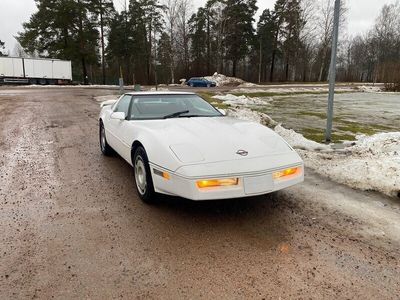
(142, 176)
(104, 146)
(208, 85)
(191, 84)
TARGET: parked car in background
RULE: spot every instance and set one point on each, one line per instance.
(200, 82)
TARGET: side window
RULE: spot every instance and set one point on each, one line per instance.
(123, 104)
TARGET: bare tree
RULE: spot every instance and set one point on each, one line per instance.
(387, 38)
(218, 21)
(184, 11)
(18, 51)
(171, 15)
(308, 36)
(325, 9)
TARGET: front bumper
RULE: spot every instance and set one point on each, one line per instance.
(250, 184)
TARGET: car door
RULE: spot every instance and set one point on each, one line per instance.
(116, 128)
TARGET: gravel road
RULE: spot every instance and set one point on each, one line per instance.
(72, 226)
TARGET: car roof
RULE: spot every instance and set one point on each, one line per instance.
(149, 93)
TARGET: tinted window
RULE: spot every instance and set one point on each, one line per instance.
(159, 106)
(123, 104)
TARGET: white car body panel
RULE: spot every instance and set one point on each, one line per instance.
(190, 149)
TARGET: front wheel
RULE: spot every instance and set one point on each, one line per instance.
(143, 180)
(104, 146)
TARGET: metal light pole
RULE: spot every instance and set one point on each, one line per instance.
(121, 81)
(155, 61)
(332, 72)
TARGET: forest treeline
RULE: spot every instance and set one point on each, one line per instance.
(291, 42)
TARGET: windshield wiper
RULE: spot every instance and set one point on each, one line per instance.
(176, 114)
(192, 116)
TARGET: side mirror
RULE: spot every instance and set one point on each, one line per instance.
(118, 115)
(222, 111)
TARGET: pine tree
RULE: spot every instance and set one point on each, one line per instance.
(105, 11)
(266, 31)
(121, 45)
(216, 29)
(63, 29)
(198, 36)
(239, 29)
(147, 22)
(164, 57)
(278, 17)
(292, 26)
(132, 38)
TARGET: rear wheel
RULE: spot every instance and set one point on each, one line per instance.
(104, 146)
(191, 84)
(142, 174)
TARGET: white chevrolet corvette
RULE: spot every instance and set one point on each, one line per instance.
(179, 144)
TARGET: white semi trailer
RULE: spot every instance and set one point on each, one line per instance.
(34, 71)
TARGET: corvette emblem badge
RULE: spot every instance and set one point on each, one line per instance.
(242, 152)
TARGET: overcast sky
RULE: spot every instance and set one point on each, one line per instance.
(13, 13)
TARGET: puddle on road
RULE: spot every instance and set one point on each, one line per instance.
(355, 113)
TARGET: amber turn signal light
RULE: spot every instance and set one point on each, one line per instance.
(207, 183)
(287, 173)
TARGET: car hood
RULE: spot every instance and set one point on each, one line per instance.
(212, 139)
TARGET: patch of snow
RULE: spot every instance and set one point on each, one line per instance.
(241, 100)
(381, 143)
(248, 84)
(106, 98)
(370, 163)
(286, 89)
(373, 163)
(153, 89)
(222, 80)
(108, 102)
(250, 115)
(298, 141)
(370, 89)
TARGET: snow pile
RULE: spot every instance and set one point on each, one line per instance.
(370, 89)
(248, 84)
(373, 163)
(153, 89)
(286, 89)
(298, 141)
(222, 80)
(241, 100)
(378, 144)
(250, 115)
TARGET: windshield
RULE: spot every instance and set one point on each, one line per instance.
(145, 107)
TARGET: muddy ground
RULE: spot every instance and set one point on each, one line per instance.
(72, 226)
